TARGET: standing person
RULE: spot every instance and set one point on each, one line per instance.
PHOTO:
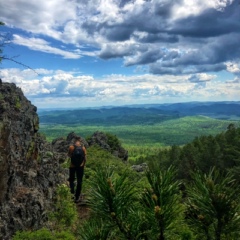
(77, 153)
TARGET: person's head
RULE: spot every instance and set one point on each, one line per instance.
(77, 142)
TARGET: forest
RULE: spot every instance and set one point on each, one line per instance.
(151, 125)
(186, 192)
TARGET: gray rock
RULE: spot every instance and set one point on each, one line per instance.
(29, 174)
(101, 139)
(140, 167)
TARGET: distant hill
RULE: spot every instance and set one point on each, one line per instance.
(140, 114)
(212, 109)
(108, 116)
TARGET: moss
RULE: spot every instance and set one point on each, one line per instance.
(17, 103)
(49, 154)
(36, 123)
(31, 150)
(66, 163)
(39, 158)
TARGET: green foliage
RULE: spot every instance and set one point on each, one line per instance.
(112, 199)
(113, 141)
(213, 205)
(98, 157)
(161, 203)
(43, 234)
(32, 152)
(65, 213)
(221, 151)
(172, 132)
(17, 103)
(137, 154)
(95, 228)
(129, 214)
(185, 233)
(66, 163)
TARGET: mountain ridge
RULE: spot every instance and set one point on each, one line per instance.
(141, 114)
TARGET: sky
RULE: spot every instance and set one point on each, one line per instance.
(91, 53)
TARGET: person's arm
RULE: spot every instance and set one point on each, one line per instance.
(70, 150)
(85, 157)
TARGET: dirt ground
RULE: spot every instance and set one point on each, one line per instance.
(83, 209)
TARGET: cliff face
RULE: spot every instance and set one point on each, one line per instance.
(29, 172)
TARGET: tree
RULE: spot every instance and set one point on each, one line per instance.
(126, 213)
(161, 203)
(113, 199)
(213, 205)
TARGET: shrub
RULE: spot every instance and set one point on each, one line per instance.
(213, 205)
(65, 214)
(115, 200)
(113, 141)
(161, 203)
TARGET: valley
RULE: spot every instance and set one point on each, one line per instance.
(144, 125)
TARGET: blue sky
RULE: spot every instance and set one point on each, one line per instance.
(88, 53)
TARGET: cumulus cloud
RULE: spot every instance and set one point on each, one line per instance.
(71, 88)
(233, 67)
(202, 77)
(43, 46)
(167, 36)
(44, 17)
(116, 50)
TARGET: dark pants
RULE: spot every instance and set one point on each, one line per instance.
(76, 171)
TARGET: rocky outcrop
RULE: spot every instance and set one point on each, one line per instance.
(140, 167)
(110, 143)
(29, 169)
(100, 139)
(60, 145)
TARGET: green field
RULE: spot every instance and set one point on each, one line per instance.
(171, 132)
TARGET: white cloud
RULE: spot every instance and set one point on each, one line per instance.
(38, 44)
(233, 67)
(70, 88)
(201, 77)
(186, 8)
(138, 31)
(44, 17)
(179, 42)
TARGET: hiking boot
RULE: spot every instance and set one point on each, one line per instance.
(77, 200)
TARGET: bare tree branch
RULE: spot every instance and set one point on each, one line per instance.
(5, 40)
(17, 62)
